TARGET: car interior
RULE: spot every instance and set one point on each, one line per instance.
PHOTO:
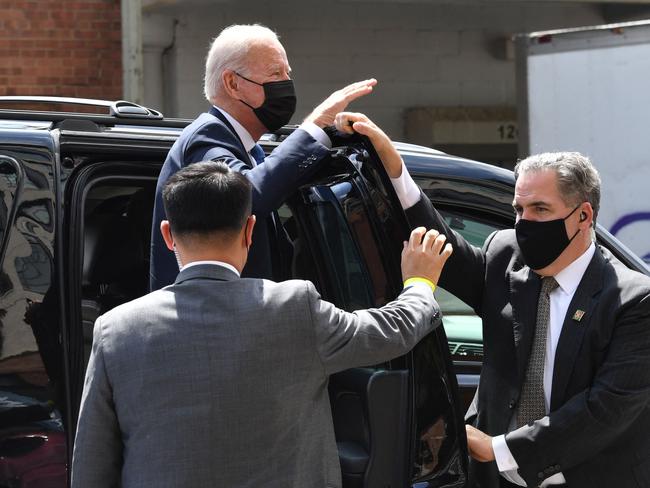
(116, 242)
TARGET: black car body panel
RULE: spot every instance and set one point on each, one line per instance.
(33, 412)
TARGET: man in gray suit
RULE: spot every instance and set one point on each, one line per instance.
(221, 381)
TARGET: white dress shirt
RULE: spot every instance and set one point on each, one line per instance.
(248, 142)
(215, 263)
(568, 280)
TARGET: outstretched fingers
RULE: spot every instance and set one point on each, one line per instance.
(357, 90)
(324, 114)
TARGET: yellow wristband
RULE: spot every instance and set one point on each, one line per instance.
(418, 279)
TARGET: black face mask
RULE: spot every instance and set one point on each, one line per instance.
(541, 243)
(279, 103)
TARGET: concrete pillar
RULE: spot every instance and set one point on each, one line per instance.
(132, 50)
(157, 40)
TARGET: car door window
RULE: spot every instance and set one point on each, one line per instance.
(116, 238)
(474, 209)
(343, 224)
(462, 325)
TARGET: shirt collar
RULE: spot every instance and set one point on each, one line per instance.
(569, 278)
(215, 263)
(244, 135)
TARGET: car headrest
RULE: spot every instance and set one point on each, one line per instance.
(139, 211)
(112, 247)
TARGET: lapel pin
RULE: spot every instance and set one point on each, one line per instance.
(578, 315)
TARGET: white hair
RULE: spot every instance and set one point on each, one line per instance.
(229, 50)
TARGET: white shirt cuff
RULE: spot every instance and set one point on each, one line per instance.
(503, 456)
(406, 189)
(508, 466)
(317, 133)
(505, 461)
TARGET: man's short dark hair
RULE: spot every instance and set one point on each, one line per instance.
(577, 179)
(206, 198)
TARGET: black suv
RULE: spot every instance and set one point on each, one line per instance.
(76, 195)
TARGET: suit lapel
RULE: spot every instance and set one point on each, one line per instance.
(578, 318)
(217, 113)
(524, 289)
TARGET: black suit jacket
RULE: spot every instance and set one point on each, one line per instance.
(211, 137)
(598, 430)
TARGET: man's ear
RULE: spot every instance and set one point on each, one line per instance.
(166, 232)
(230, 82)
(586, 215)
(248, 233)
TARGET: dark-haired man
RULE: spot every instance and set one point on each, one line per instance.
(248, 84)
(218, 380)
(564, 396)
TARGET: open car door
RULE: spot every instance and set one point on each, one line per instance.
(397, 424)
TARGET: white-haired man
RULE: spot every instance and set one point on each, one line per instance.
(248, 82)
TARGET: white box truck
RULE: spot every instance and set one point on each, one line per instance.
(588, 90)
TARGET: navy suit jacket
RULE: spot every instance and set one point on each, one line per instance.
(598, 430)
(211, 137)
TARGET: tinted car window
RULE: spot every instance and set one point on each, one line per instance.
(337, 221)
(116, 240)
(462, 325)
(474, 211)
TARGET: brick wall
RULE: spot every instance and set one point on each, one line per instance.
(61, 48)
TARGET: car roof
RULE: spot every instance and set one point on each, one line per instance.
(129, 118)
(422, 161)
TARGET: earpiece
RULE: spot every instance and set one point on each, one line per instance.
(583, 216)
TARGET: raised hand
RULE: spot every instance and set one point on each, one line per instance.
(323, 115)
(350, 122)
(424, 255)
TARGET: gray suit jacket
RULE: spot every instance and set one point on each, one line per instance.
(221, 381)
